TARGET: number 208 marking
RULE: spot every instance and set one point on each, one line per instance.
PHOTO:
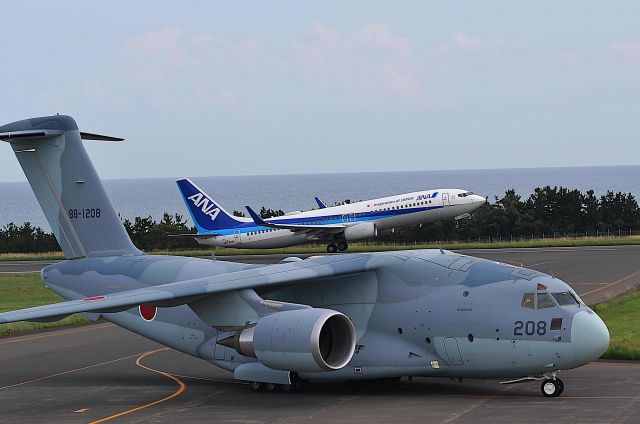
(530, 328)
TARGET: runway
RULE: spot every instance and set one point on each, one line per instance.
(102, 372)
(596, 273)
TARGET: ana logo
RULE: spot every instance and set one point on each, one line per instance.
(427, 196)
(205, 205)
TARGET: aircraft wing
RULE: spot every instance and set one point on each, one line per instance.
(183, 292)
(320, 203)
(326, 228)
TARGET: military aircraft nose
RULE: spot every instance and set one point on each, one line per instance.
(589, 336)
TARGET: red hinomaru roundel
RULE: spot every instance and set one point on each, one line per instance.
(148, 312)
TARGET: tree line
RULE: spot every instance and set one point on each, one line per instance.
(547, 210)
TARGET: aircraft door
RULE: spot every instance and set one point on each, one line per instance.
(236, 236)
(453, 352)
(445, 199)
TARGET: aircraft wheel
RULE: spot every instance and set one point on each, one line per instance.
(256, 386)
(270, 387)
(332, 248)
(551, 387)
(294, 387)
(342, 246)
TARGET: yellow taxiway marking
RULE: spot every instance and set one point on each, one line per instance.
(181, 388)
(69, 371)
(613, 283)
(54, 334)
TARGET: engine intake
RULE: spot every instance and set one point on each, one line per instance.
(311, 339)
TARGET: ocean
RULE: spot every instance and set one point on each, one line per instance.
(153, 196)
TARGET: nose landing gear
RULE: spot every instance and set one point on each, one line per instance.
(552, 387)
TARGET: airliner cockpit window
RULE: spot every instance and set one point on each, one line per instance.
(545, 301)
(465, 194)
(564, 298)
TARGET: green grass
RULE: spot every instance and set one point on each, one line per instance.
(622, 316)
(364, 247)
(19, 291)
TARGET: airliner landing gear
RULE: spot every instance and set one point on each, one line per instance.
(552, 387)
(342, 246)
(332, 248)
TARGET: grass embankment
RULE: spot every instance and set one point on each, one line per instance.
(622, 316)
(365, 247)
(26, 290)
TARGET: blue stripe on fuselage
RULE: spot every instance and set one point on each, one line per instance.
(247, 227)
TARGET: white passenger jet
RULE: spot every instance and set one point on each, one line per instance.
(335, 225)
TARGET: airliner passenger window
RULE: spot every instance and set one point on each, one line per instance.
(527, 300)
(545, 301)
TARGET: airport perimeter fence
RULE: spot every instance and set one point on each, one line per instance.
(583, 235)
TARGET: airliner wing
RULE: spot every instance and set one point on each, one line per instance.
(326, 228)
(183, 292)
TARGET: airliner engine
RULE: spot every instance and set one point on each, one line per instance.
(301, 340)
(360, 231)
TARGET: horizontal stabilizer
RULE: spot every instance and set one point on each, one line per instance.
(195, 235)
(29, 134)
(98, 137)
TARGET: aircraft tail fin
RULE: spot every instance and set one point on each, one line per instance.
(66, 185)
(206, 213)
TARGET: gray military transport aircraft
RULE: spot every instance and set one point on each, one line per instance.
(332, 318)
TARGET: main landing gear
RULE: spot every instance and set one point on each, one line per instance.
(295, 386)
(341, 246)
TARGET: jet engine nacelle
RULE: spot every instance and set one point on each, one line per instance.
(311, 339)
(360, 231)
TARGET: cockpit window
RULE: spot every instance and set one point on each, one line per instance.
(565, 298)
(527, 300)
(545, 301)
(465, 194)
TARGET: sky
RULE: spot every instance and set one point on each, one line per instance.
(206, 88)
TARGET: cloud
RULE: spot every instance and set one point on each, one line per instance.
(568, 57)
(157, 54)
(461, 41)
(224, 97)
(370, 59)
(626, 50)
(101, 94)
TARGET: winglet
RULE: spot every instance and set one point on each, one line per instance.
(320, 203)
(256, 218)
